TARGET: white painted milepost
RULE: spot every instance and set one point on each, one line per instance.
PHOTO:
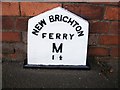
(57, 38)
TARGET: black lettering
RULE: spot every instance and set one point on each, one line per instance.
(57, 49)
(50, 35)
(42, 23)
(51, 18)
(70, 21)
(60, 57)
(78, 28)
(58, 35)
(56, 17)
(52, 57)
(75, 24)
(35, 32)
(60, 17)
(65, 18)
(38, 27)
(71, 36)
(80, 33)
(44, 35)
(65, 36)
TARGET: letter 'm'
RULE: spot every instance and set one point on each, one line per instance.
(59, 49)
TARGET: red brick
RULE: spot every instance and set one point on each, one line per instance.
(8, 23)
(112, 13)
(22, 24)
(35, 8)
(98, 51)
(93, 39)
(0, 57)
(19, 52)
(0, 22)
(9, 57)
(14, 57)
(24, 37)
(114, 28)
(107, 59)
(106, 3)
(7, 48)
(114, 52)
(0, 47)
(20, 47)
(108, 40)
(86, 11)
(99, 27)
(10, 36)
(10, 8)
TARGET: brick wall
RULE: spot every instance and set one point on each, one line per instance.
(103, 18)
